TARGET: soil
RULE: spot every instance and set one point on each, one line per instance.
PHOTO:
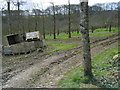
(45, 70)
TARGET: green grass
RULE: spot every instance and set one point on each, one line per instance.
(57, 44)
(60, 45)
(62, 35)
(113, 29)
(102, 33)
(97, 32)
(102, 67)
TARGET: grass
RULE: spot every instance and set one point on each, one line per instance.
(102, 33)
(102, 67)
(97, 32)
(62, 35)
(57, 44)
(60, 45)
(104, 29)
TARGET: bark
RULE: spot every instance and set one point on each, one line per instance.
(58, 32)
(77, 31)
(69, 21)
(36, 25)
(18, 7)
(64, 10)
(92, 29)
(54, 32)
(54, 17)
(85, 38)
(110, 28)
(9, 23)
(43, 26)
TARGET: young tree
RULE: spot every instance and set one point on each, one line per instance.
(9, 23)
(43, 17)
(110, 28)
(54, 20)
(18, 4)
(92, 29)
(69, 21)
(85, 37)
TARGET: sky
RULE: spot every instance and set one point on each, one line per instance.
(91, 2)
(46, 3)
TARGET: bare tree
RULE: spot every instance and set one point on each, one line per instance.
(85, 37)
(54, 20)
(92, 29)
(69, 21)
(37, 13)
(9, 23)
(43, 20)
(19, 3)
(110, 28)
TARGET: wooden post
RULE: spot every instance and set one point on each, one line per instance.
(85, 37)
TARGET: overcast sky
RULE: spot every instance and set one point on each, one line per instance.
(46, 3)
(91, 2)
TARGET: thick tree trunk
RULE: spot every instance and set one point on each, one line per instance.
(85, 38)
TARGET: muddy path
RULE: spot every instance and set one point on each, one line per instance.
(46, 70)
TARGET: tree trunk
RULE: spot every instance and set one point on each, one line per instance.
(43, 26)
(92, 29)
(36, 25)
(54, 32)
(58, 32)
(64, 10)
(110, 28)
(18, 7)
(77, 31)
(85, 38)
(69, 21)
(9, 23)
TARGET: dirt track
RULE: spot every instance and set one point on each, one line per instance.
(46, 70)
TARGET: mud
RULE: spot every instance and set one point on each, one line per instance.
(44, 70)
